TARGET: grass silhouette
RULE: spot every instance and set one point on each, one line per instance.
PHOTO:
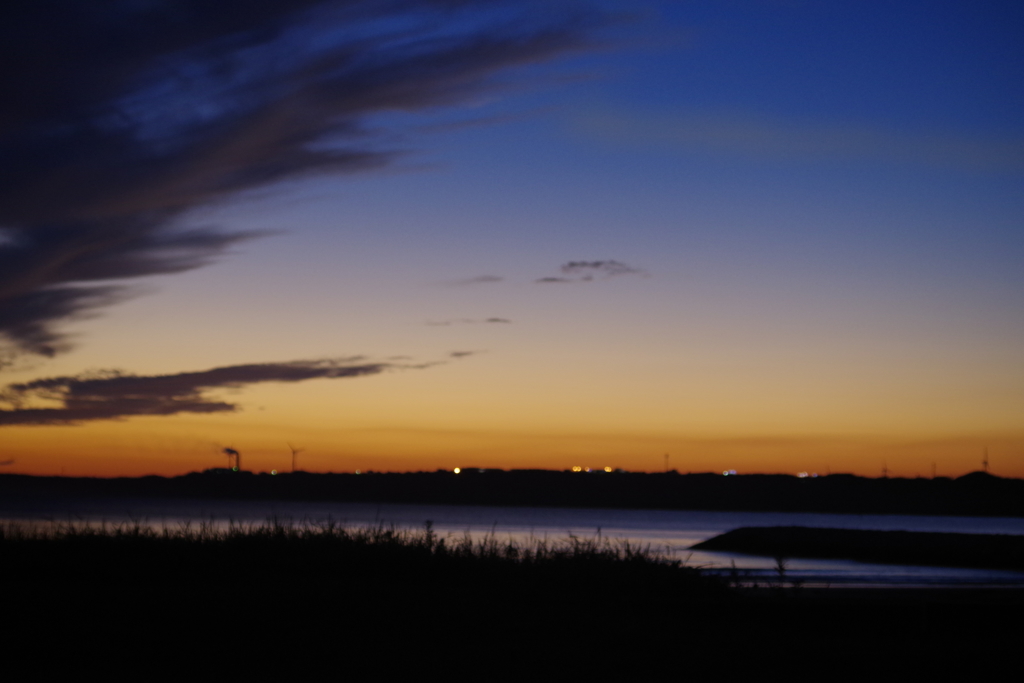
(339, 594)
(329, 540)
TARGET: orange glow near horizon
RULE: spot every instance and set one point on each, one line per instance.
(494, 412)
(148, 446)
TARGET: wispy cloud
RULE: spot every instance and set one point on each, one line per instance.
(119, 118)
(588, 271)
(470, 281)
(603, 268)
(112, 395)
(760, 137)
(468, 321)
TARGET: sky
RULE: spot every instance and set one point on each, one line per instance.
(402, 235)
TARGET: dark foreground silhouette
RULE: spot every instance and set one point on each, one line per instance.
(973, 494)
(981, 551)
(293, 600)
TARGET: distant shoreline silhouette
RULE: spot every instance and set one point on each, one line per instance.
(975, 494)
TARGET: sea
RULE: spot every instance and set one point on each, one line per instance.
(667, 532)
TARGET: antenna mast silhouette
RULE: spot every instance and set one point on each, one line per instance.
(984, 460)
(295, 451)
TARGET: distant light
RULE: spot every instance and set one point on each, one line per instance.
(273, 471)
(234, 469)
(726, 473)
(577, 468)
(358, 472)
(588, 469)
(802, 475)
(814, 474)
(457, 470)
(607, 469)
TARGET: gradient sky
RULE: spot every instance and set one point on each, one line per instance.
(770, 236)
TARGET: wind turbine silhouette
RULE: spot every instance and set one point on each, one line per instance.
(295, 451)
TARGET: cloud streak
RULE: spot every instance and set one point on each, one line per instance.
(468, 321)
(756, 137)
(470, 281)
(121, 117)
(588, 271)
(113, 395)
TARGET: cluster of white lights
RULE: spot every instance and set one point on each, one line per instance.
(802, 475)
(727, 473)
(578, 468)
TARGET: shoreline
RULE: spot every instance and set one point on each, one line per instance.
(974, 495)
(916, 548)
(669, 533)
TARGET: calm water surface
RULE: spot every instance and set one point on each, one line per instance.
(669, 531)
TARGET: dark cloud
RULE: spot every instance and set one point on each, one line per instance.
(587, 271)
(112, 395)
(121, 116)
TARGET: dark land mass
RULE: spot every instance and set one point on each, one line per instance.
(291, 601)
(980, 551)
(975, 494)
